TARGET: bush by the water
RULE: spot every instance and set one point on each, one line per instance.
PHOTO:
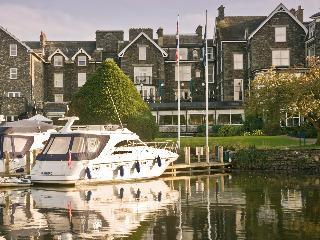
(250, 158)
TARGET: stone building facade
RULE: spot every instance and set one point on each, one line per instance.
(42, 76)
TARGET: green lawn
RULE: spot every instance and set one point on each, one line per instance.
(241, 141)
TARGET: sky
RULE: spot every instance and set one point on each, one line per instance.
(79, 19)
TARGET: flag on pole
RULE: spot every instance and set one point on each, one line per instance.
(69, 159)
(177, 42)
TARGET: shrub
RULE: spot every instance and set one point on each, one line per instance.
(252, 122)
(201, 130)
(230, 130)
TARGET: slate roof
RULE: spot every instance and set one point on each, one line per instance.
(184, 39)
(233, 28)
(316, 15)
(69, 48)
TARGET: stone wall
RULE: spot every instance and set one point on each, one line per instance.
(229, 73)
(263, 42)
(23, 82)
(273, 159)
(70, 72)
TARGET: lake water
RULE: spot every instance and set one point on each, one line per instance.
(222, 206)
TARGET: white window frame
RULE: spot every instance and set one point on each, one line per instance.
(210, 53)
(183, 54)
(211, 73)
(11, 118)
(280, 34)
(58, 80)
(185, 73)
(13, 50)
(278, 57)
(312, 28)
(237, 61)
(311, 51)
(236, 91)
(14, 94)
(142, 53)
(82, 61)
(56, 61)
(58, 98)
(13, 73)
(82, 78)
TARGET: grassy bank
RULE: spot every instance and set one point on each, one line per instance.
(260, 142)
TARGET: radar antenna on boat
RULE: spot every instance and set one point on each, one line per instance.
(67, 127)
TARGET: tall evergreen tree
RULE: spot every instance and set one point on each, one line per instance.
(107, 92)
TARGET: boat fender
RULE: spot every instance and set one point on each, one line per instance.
(159, 196)
(121, 169)
(137, 165)
(88, 173)
(138, 194)
(88, 196)
(159, 161)
(121, 193)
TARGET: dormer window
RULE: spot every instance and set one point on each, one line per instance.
(82, 61)
(280, 34)
(142, 53)
(57, 61)
(13, 50)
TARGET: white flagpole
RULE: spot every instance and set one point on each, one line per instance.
(178, 75)
(207, 93)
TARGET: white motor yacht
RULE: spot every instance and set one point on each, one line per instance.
(88, 154)
(18, 138)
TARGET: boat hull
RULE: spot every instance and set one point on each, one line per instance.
(55, 172)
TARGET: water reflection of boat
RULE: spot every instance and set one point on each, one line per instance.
(96, 211)
(98, 153)
(18, 138)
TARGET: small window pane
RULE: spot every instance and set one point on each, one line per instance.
(13, 50)
(93, 144)
(183, 53)
(78, 145)
(280, 34)
(82, 78)
(13, 73)
(238, 61)
(82, 60)
(57, 60)
(58, 98)
(58, 80)
(60, 145)
(142, 53)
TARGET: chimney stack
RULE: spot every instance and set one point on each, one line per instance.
(221, 12)
(293, 11)
(43, 39)
(160, 36)
(299, 13)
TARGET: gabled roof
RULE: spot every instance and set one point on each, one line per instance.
(280, 8)
(81, 50)
(58, 51)
(15, 38)
(164, 54)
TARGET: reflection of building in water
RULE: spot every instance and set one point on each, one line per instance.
(291, 199)
(210, 209)
(292, 204)
(89, 211)
(267, 214)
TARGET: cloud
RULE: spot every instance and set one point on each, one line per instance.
(26, 23)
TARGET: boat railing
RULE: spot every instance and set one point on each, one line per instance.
(108, 127)
(167, 145)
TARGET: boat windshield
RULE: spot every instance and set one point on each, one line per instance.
(81, 147)
(15, 145)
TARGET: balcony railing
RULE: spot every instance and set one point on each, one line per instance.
(145, 80)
